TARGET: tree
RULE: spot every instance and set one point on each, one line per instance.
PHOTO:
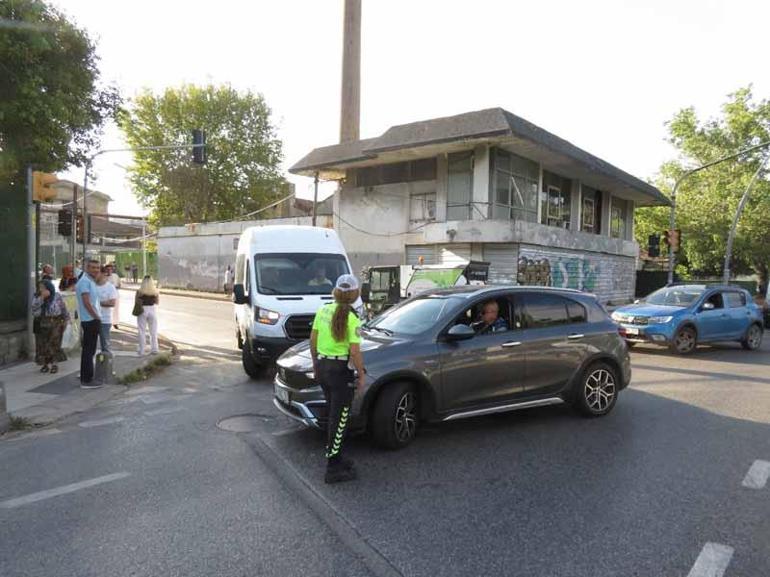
(707, 201)
(51, 104)
(242, 173)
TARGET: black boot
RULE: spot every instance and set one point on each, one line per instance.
(339, 475)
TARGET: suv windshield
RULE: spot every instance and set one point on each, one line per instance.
(679, 296)
(413, 317)
(298, 273)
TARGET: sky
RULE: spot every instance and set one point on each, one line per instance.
(603, 74)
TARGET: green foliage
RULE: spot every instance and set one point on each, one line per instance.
(242, 173)
(51, 106)
(707, 201)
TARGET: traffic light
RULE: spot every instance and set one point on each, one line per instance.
(199, 142)
(42, 191)
(675, 238)
(65, 222)
(79, 228)
(666, 239)
(653, 245)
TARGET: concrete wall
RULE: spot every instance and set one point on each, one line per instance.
(195, 256)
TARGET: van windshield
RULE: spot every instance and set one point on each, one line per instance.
(298, 273)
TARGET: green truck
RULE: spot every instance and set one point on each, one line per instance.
(385, 286)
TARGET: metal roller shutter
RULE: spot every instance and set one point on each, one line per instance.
(502, 259)
(452, 254)
(414, 252)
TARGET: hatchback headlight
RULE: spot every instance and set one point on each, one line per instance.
(266, 317)
(659, 320)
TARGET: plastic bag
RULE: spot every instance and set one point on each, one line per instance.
(71, 337)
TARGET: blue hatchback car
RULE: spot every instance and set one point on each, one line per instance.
(681, 316)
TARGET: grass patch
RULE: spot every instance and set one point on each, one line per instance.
(145, 372)
(18, 423)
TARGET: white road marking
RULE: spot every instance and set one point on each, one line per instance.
(100, 422)
(757, 476)
(164, 411)
(712, 561)
(42, 495)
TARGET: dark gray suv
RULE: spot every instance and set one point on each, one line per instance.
(427, 360)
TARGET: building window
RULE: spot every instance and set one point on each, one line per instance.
(618, 223)
(590, 210)
(395, 172)
(459, 185)
(515, 182)
(556, 200)
(422, 207)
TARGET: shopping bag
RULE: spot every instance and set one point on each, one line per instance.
(138, 308)
(71, 338)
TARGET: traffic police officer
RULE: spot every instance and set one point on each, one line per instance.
(334, 346)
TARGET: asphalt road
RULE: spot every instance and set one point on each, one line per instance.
(150, 484)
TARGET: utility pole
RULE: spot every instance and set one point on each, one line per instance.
(144, 247)
(315, 198)
(31, 268)
(350, 109)
(734, 227)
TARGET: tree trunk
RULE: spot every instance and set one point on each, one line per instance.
(762, 272)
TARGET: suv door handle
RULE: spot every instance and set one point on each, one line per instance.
(510, 344)
(575, 337)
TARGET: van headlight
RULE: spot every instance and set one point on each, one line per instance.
(659, 320)
(266, 317)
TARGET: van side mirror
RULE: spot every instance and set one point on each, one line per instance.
(460, 333)
(365, 291)
(239, 295)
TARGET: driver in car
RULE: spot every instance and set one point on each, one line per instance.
(490, 321)
(320, 277)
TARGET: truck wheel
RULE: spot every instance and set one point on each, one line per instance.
(250, 365)
(684, 342)
(753, 339)
(395, 416)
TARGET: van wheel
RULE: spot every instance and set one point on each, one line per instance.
(597, 390)
(395, 416)
(250, 365)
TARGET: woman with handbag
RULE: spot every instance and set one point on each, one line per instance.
(51, 317)
(145, 311)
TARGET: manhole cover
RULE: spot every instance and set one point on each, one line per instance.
(244, 423)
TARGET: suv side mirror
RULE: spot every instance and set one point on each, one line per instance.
(239, 295)
(365, 291)
(708, 307)
(460, 333)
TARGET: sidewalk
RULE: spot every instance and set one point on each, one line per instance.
(183, 293)
(42, 398)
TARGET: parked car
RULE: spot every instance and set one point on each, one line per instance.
(283, 274)
(426, 362)
(682, 316)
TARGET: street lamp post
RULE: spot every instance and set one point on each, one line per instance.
(672, 218)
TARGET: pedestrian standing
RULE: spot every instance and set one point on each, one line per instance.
(228, 280)
(135, 272)
(46, 272)
(78, 271)
(51, 317)
(147, 298)
(108, 296)
(114, 279)
(90, 314)
(334, 345)
(68, 280)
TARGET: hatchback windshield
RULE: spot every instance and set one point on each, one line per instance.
(413, 317)
(679, 296)
(298, 274)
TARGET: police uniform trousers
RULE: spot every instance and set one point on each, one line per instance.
(337, 382)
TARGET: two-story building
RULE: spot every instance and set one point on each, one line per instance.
(487, 185)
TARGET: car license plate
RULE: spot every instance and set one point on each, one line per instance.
(632, 331)
(282, 394)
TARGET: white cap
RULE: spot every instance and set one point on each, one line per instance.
(347, 283)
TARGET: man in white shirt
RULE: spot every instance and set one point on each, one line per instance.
(108, 296)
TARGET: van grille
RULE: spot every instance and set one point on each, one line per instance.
(298, 326)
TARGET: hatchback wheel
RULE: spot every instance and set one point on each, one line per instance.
(684, 341)
(395, 416)
(753, 339)
(597, 390)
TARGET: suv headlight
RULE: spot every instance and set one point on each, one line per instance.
(266, 317)
(659, 320)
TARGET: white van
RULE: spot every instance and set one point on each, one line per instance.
(283, 275)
